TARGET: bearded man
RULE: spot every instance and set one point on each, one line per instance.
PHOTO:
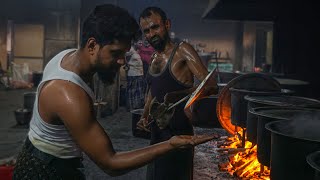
(171, 74)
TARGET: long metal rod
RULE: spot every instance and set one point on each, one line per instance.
(217, 67)
(179, 102)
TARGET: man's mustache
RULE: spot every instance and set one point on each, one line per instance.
(155, 38)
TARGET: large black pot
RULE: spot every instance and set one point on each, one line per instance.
(301, 88)
(292, 140)
(314, 161)
(270, 114)
(252, 120)
(239, 106)
(28, 100)
(36, 78)
(273, 101)
(204, 113)
(136, 114)
(22, 116)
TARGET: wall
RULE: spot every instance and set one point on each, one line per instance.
(296, 43)
(59, 17)
(3, 39)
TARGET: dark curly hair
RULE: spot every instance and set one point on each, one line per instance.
(107, 23)
(149, 10)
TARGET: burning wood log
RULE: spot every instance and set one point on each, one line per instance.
(224, 144)
(224, 137)
(251, 170)
(240, 171)
(224, 166)
(230, 150)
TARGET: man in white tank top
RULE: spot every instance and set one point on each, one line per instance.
(63, 123)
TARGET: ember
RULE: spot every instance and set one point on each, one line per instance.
(243, 161)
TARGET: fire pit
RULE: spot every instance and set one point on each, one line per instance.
(292, 140)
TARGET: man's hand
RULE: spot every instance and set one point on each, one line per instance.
(184, 141)
(143, 124)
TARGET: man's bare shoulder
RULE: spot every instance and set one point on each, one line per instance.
(187, 52)
(59, 100)
(185, 47)
(62, 91)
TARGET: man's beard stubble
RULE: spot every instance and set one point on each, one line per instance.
(159, 43)
(107, 75)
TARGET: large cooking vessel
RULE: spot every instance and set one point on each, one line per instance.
(314, 161)
(270, 114)
(239, 106)
(28, 100)
(256, 81)
(22, 116)
(204, 114)
(301, 88)
(273, 101)
(135, 115)
(292, 140)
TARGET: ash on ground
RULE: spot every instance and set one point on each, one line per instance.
(207, 159)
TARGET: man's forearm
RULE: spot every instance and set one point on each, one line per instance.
(123, 162)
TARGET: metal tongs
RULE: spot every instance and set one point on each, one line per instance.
(171, 106)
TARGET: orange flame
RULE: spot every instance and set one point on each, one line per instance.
(245, 164)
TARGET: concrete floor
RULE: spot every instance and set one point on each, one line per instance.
(118, 127)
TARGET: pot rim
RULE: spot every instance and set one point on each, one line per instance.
(136, 111)
(310, 159)
(22, 110)
(30, 93)
(256, 91)
(253, 98)
(259, 111)
(269, 128)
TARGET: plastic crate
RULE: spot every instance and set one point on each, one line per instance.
(6, 172)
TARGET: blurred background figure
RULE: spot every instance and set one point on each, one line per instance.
(145, 50)
(174, 38)
(136, 85)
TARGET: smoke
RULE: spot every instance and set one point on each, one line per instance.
(303, 125)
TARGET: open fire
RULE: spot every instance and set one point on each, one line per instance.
(243, 161)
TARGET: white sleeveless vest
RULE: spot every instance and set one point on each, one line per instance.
(55, 139)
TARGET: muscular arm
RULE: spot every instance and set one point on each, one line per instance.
(73, 106)
(196, 67)
(193, 61)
